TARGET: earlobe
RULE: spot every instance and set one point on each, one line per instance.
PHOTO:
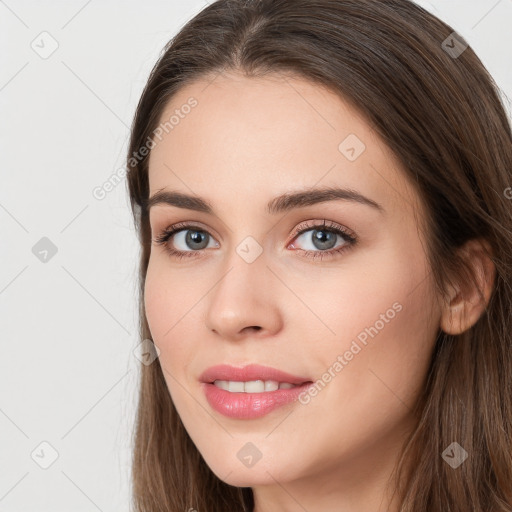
(469, 298)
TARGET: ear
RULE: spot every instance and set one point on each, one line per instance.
(468, 299)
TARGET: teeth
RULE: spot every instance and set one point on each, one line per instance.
(235, 387)
(270, 385)
(252, 386)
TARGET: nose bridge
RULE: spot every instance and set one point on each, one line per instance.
(244, 295)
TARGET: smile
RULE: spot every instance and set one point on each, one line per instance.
(252, 386)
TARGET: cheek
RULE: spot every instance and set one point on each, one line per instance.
(167, 297)
(164, 302)
(384, 334)
(155, 301)
(381, 312)
(338, 304)
(172, 301)
(385, 322)
(402, 350)
(164, 309)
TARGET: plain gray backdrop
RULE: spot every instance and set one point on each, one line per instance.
(70, 77)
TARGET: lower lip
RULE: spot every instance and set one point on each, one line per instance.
(250, 405)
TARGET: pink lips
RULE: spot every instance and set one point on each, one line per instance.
(249, 405)
(250, 372)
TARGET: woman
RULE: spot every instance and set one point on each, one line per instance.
(320, 191)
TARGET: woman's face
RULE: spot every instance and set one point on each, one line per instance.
(262, 281)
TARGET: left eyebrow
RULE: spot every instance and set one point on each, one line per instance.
(283, 203)
(308, 197)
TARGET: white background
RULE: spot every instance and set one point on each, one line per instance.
(68, 326)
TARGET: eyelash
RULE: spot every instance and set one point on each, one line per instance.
(328, 226)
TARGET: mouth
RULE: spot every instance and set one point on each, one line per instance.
(254, 386)
(252, 391)
(253, 378)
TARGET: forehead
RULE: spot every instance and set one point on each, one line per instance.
(269, 135)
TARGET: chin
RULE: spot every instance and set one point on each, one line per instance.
(238, 475)
(247, 478)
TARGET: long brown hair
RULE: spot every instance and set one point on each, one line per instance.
(441, 114)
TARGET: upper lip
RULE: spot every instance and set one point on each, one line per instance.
(248, 373)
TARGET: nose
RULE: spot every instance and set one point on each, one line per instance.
(245, 301)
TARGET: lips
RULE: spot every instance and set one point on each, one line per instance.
(243, 404)
(249, 373)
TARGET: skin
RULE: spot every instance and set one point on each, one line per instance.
(247, 141)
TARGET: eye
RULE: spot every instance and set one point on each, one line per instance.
(189, 239)
(195, 239)
(323, 240)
